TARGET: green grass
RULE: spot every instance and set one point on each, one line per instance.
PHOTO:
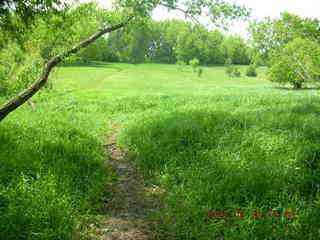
(213, 143)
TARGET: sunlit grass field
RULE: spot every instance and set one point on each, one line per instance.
(225, 150)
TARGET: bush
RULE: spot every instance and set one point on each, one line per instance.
(181, 65)
(230, 70)
(236, 72)
(194, 63)
(229, 67)
(251, 71)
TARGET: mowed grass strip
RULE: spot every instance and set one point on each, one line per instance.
(213, 143)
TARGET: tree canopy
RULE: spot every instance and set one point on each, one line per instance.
(272, 34)
(27, 10)
(297, 63)
(290, 46)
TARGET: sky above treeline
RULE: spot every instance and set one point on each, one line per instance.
(260, 10)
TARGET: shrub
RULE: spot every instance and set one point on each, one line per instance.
(230, 70)
(181, 65)
(251, 71)
(194, 63)
(229, 67)
(236, 72)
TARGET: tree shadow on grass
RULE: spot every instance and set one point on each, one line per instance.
(93, 64)
(68, 154)
(298, 89)
(229, 142)
(48, 175)
(306, 109)
(219, 160)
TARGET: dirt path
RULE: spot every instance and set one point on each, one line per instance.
(132, 201)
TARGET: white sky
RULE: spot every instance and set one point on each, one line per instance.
(273, 8)
(260, 9)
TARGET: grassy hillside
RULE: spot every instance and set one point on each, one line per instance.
(213, 143)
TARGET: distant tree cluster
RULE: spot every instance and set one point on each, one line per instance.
(170, 41)
(290, 46)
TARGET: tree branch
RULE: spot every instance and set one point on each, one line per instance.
(26, 94)
(188, 14)
(303, 68)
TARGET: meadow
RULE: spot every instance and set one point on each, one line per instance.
(238, 158)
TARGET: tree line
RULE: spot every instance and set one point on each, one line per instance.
(168, 41)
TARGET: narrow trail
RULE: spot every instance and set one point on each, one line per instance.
(132, 201)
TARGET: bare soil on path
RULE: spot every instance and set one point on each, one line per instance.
(128, 213)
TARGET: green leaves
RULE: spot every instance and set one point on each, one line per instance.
(297, 63)
(194, 63)
(27, 10)
(221, 12)
(272, 34)
(234, 47)
(218, 11)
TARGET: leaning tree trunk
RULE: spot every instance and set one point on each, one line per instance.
(26, 94)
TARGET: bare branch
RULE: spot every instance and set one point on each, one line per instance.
(187, 14)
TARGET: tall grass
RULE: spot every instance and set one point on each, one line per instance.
(213, 143)
(51, 167)
(250, 154)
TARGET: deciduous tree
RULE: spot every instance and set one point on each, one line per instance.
(272, 34)
(297, 63)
